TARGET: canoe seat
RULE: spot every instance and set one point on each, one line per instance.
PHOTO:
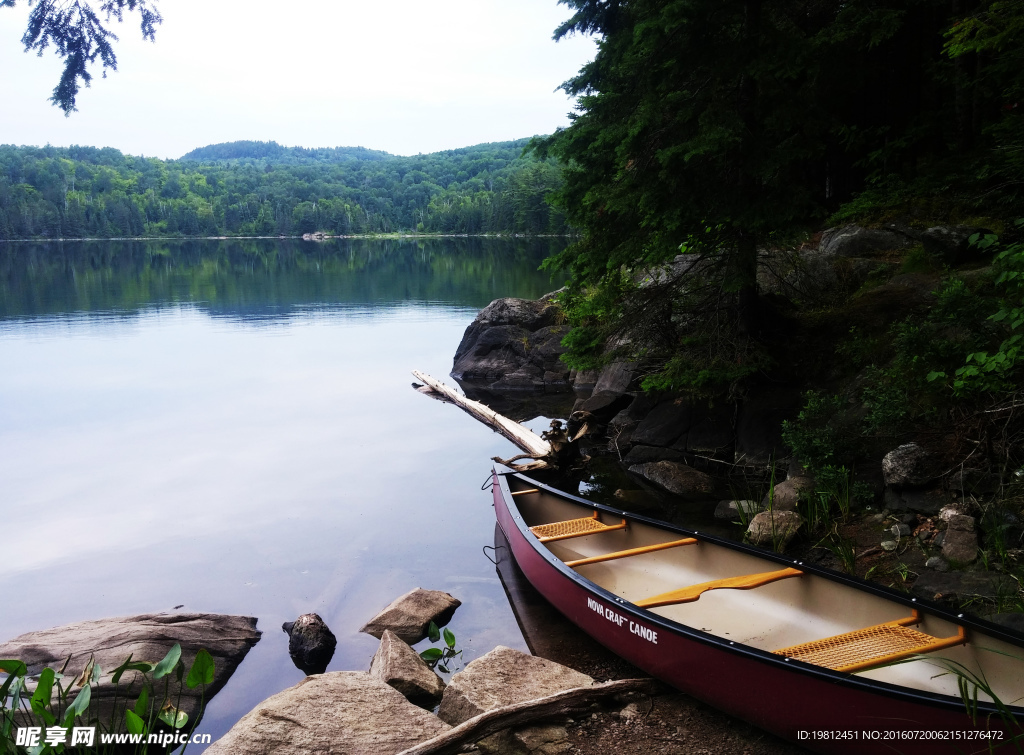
(631, 552)
(873, 646)
(692, 593)
(587, 525)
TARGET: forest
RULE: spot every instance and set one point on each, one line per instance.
(265, 189)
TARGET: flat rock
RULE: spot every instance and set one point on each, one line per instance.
(907, 465)
(732, 510)
(786, 495)
(397, 664)
(311, 643)
(346, 712)
(774, 529)
(677, 478)
(409, 615)
(146, 637)
(956, 586)
(502, 677)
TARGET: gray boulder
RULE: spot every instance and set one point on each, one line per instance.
(786, 494)
(397, 664)
(774, 529)
(341, 712)
(146, 637)
(514, 344)
(502, 677)
(960, 544)
(907, 465)
(950, 243)
(410, 615)
(676, 478)
(856, 241)
(311, 643)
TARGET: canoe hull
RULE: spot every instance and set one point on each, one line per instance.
(815, 710)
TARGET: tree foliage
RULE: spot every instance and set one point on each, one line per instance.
(80, 34)
(712, 128)
(84, 192)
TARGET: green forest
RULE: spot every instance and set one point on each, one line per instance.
(265, 189)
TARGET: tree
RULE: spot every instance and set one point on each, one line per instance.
(80, 36)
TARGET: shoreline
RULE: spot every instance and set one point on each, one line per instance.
(323, 237)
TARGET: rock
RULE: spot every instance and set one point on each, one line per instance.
(514, 344)
(644, 454)
(957, 586)
(310, 643)
(774, 529)
(856, 241)
(950, 243)
(616, 377)
(927, 502)
(937, 563)
(732, 510)
(900, 530)
(960, 546)
(410, 615)
(906, 465)
(960, 522)
(786, 494)
(603, 405)
(146, 637)
(676, 478)
(398, 665)
(889, 545)
(663, 424)
(543, 740)
(341, 712)
(502, 677)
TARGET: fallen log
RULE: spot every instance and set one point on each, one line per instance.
(525, 713)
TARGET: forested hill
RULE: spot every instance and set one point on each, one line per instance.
(273, 152)
(262, 188)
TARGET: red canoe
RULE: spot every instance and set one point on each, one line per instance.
(831, 662)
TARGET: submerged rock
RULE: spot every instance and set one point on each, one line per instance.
(676, 478)
(398, 665)
(347, 712)
(502, 677)
(310, 643)
(410, 615)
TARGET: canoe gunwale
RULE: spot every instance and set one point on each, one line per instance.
(754, 654)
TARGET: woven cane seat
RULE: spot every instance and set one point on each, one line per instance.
(873, 646)
(573, 528)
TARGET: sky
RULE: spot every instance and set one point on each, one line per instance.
(404, 76)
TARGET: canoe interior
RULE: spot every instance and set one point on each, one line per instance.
(777, 615)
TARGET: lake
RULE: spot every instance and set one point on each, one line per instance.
(229, 427)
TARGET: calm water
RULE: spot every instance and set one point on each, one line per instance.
(229, 426)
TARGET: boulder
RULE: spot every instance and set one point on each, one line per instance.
(410, 615)
(927, 502)
(951, 243)
(676, 478)
(732, 510)
(856, 241)
(146, 637)
(961, 541)
(344, 711)
(616, 377)
(502, 677)
(514, 344)
(310, 643)
(664, 423)
(907, 465)
(774, 529)
(786, 494)
(549, 739)
(397, 664)
(603, 405)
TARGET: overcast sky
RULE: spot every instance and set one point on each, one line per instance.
(404, 76)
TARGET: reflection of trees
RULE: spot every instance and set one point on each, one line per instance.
(249, 276)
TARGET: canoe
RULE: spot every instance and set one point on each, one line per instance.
(830, 662)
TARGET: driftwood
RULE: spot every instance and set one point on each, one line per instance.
(528, 712)
(553, 449)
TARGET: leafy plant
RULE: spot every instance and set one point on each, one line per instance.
(153, 718)
(440, 657)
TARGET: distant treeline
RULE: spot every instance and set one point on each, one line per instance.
(262, 188)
